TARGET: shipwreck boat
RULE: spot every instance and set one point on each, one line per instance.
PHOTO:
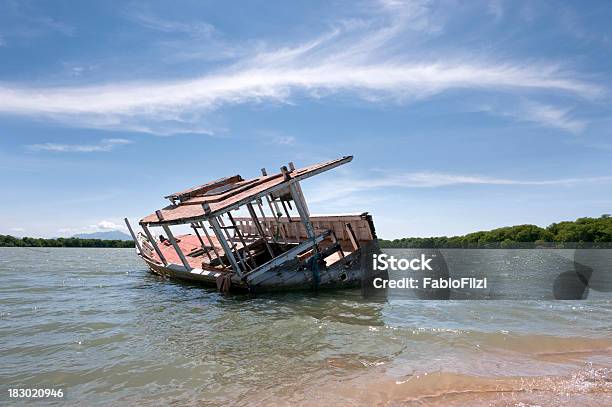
(274, 245)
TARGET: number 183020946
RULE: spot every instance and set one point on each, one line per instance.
(36, 393)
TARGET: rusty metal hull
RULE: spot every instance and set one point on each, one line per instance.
(354, 270)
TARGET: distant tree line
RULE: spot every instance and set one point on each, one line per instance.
(11, 241)
(583, 232)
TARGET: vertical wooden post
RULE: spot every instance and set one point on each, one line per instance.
(247, 256)
(154, 244)
(258, 227)
(266, 224)
(211, 242)
(298, 188)
(352, 236)
(217, 230)
(234, 245)
(277, 214)
(133, 236)
(195, 230)
(235, 227)
(204, 247)
(304, 216)
(286, 211)
(174, 244)
(228, 251)
(335, 241)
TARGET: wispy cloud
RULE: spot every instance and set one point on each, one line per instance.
(542, 114)
(350, 59)
(147, 19)
(552, 116)
(186, 40)
(390, 180)
(104, 145)
(25, 21)
(275, 137)
(254, 84)
(284, 140)
(108, 225)
(101, 226)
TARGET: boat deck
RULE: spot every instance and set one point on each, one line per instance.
(187, 243)
(190, 243)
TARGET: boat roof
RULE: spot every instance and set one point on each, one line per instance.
(229, 193)
(204, 188)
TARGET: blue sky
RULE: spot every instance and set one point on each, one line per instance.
(462, 116)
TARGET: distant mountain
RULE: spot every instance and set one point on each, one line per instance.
(110, 235)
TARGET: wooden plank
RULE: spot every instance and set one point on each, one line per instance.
(335, 241)
(247, 255)
(133, 235)
(298, 176)
(201, 189)
(154, 244)
(176, 247)
(228, 251)
(173, 242)
(288, 255)
(276, 214)
(299, 205)
(352, 237)
(259, 228)
(286, 210)
(204, 246)
(234, 246)
(311, 173)
(211, 243)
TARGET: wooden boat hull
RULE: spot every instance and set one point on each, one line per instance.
(354, 270)
(271, 249)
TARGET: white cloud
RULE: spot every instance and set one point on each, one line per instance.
(286, 140)
(103, 225)
(546, 115)
(552, 116)
(342, 188)
(108, 225)
(104, 145)
(18, 229)
(196, 29)
(360, 59)
(254, 84)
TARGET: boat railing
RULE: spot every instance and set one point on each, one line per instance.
(146, 246)
(294, 230)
